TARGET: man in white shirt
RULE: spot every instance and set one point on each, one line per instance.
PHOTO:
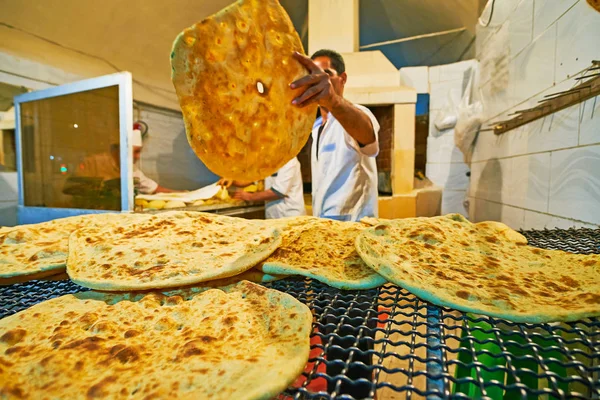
(345, 142)
(283, 192)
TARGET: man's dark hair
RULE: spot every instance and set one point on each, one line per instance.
(337, 61)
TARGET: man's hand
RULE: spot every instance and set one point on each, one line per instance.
(241, 195)
(226, 183)
(317, 86)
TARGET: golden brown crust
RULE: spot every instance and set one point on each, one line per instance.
(324, 250)
(33, 251)
(242, 341)
(171, 249)
(238, 132)
(486, 268)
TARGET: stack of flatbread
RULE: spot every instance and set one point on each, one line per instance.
(195, 270)
(486, 267)
(199, 328)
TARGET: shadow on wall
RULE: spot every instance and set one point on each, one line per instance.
(8, 198)
(180, 168)
(489, 186)
(455, 194)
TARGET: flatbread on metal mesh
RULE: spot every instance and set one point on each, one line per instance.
(241, 341)
(231, 73)
(252, 275)
(170, 249)
(485, 268)
(324, 250)
(36, 251)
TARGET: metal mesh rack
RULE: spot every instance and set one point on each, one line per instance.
(387, 344)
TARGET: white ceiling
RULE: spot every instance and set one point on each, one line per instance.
(382, 20)
(136, 35)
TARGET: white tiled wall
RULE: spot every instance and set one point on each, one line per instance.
(589, 133)
(557, 131)
(8, 198)
(520, 26)
(578, 33)
(544, 174)
(575, 184)
(532, 70)
(528, 179)
(445, 164)
(415, 77)
(547, 12)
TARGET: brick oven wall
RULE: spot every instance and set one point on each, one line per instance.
(385, 117)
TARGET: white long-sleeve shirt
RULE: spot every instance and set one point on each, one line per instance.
(287, 183)
(344, 174)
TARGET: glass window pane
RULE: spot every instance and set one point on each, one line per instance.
(70, 149)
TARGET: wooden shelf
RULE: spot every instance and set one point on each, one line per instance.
(585, 90)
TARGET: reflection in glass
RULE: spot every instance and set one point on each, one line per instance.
(8, 159)
(70, 148)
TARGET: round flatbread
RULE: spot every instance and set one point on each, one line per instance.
(239, 342)
(171, 249)
(485, 268)
(231, 73)
(324, 250)
(35, 251)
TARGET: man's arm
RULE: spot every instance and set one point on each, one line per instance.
(267, 195)
(318, 88)
(226, 183)
(354, 121)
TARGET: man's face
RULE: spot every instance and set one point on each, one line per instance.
(337, 80)
(137, 153)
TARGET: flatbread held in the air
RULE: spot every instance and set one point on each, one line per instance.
(485, 268)
(231, 72)
(238, 342)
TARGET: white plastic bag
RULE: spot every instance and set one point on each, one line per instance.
(447, 118)
(469, 119)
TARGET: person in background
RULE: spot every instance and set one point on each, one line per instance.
(146, 185)
(345, 142)
(283, 192)
(107, 166)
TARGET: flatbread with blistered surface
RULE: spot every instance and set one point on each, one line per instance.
(170, 249)
(231, 73)
(324, 250)
(485, 268)
(36, 251)
(242, 341)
